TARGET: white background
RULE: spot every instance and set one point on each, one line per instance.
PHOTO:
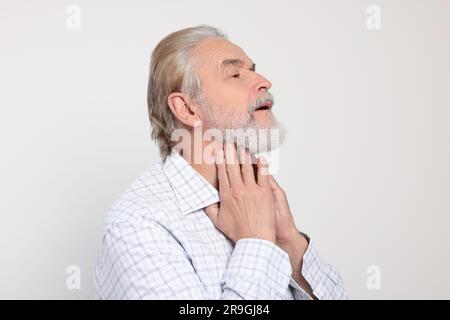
(365, 164)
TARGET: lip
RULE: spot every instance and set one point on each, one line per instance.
(267, 104)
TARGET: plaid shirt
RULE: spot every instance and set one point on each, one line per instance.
(158, 243)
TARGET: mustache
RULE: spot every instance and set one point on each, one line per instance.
(264, 97)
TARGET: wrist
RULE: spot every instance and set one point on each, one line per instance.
(295, 245)
(270, 238)
(292, 236)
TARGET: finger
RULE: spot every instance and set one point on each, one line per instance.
(232, 165)
(222, 176)
(273, 183)
(212, 212)
(276, 188)
(248, 174)
(263, 172)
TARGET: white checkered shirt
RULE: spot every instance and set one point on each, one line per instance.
(158, 243)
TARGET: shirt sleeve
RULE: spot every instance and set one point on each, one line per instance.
(147, 262)
(324, 279)
(258, 269)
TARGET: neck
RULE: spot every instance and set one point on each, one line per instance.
(209, 172)
(195, 159)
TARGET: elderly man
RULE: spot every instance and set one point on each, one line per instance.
(218, 229)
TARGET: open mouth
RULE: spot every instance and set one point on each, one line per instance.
(267, 105)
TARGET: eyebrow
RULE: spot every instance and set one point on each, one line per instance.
(237, 62)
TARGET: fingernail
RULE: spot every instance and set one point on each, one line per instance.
(263, 160)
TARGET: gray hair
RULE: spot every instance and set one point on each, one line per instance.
(172, 69)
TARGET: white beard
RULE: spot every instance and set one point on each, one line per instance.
(246, 132)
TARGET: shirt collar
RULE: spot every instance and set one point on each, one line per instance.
(192, 190)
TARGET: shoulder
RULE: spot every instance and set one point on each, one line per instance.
(146, 198)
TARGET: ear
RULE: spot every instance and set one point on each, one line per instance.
(182, 108)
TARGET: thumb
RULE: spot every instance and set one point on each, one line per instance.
(212, 211)
(273, 184)
(276, 189)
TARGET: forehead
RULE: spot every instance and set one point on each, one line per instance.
(211, 52)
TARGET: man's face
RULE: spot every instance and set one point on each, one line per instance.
(232, 91)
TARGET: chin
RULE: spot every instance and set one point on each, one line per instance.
(261, 140)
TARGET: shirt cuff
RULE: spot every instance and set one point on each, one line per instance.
(324, 280)
(258, 269)
(298, 292)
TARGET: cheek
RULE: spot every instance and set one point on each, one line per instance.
(237, 100)
(234, 99)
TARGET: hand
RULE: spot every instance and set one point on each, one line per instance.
(288, 237)
(247, 205)
(285, 225)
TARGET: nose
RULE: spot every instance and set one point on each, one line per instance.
(262, 84)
